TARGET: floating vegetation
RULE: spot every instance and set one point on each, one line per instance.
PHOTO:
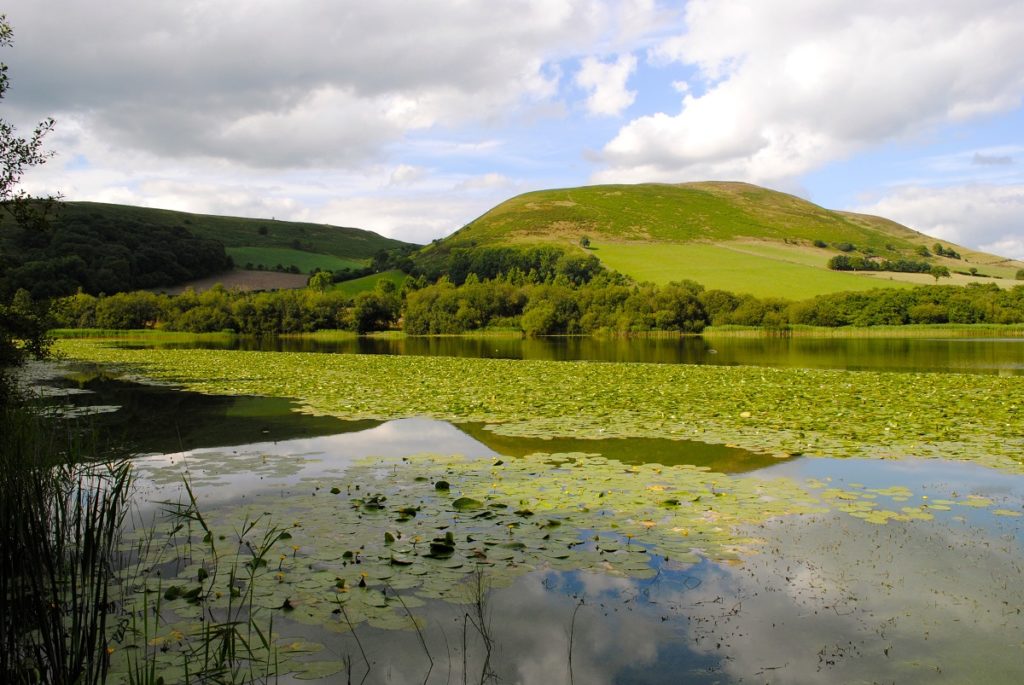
(780, 411)
(374, 543)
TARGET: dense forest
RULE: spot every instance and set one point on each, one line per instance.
(97, 254)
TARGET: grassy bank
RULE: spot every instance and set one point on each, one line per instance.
(135, 333)
(907, 331)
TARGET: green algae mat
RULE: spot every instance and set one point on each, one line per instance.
(779, 411)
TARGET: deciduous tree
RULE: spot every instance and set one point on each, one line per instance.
(21, 326)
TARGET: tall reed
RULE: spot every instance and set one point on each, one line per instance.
(61, 516)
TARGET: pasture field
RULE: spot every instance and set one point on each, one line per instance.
(306, 261)
(358, 285)
(720, 267)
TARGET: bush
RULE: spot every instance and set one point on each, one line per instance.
(840, 263)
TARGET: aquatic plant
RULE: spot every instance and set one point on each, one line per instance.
(60, 523)
(780, 411)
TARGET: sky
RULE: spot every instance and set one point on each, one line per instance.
(411, 118)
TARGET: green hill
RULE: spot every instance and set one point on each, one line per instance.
(352, 244)
(100, 253)
(110, 248)
(733, 236)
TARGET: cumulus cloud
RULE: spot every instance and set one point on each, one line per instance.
(284, 84)
(606, 83)
(786, 86)
(983, 215)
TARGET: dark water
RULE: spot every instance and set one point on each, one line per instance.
(1003, 356)
(829, 599)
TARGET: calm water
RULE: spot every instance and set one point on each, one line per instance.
(962, 355)
(830, 599)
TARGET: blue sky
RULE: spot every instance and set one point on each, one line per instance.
(413, 118)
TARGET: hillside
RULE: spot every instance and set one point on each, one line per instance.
(109, 248)
(733, 236)
(101, 253)
(266, 241)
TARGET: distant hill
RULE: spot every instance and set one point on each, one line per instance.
(101, 253)
(261, 241)
(109, 248)
(733, 236)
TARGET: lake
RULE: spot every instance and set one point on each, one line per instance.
(483, 539)
(963, 355)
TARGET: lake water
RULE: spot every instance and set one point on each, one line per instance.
(819, 597)
(962, 355)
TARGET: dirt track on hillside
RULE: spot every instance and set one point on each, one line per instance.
(243, 280)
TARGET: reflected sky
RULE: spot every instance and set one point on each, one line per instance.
(829, 600)
(823, 598)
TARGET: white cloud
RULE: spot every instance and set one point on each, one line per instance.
(418, 219)
(789, 85)
(606, 83)
(289, 84)
(987, 216)
(406, 174)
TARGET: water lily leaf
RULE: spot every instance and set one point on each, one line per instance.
(315, 670)
(467, 504)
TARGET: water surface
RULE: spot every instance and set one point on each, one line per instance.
(1003, 356)
(818, 598)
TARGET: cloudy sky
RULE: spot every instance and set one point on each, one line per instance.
(413, 117)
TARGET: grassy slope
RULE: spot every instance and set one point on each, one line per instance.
(733, 236)
(306, 261)
(720, 267)
(351, 243)
(358, 285)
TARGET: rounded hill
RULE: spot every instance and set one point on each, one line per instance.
(734, 236)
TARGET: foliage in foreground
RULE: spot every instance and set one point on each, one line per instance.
(60, 523)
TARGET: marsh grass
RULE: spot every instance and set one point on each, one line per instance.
(135, 333)
(230, 645)
(61, 517)
(66, 580)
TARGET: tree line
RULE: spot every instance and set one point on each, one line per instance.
(218, 309)
(607, 303)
